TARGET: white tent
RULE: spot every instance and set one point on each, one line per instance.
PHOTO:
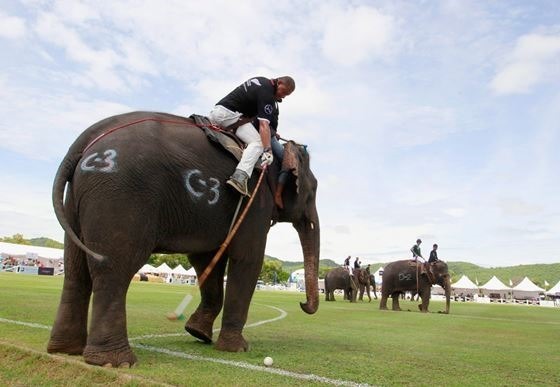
(495, 286)
(464, 283)
(147, 268)
(526, 289)
(164, 269)
(22, 251)
(191, 272)
(555, 290)
(179, 270)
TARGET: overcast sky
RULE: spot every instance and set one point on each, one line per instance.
(437, 120)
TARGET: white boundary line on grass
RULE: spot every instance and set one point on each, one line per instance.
(283, 314)
(244, 365)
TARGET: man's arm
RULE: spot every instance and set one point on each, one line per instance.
(264, 131)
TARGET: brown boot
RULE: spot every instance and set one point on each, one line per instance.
(239, 181)
(278, 196)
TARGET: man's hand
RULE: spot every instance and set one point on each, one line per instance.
(266, 158)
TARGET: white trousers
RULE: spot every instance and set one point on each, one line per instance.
(247, 133)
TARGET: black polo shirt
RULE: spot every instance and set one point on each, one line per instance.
(255, 97)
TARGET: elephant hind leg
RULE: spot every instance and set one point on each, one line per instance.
(201, 321)
(69, 332)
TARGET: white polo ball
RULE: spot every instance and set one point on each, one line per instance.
(268, 361)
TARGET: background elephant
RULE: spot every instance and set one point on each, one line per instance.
(339, 278)
(157, 184)
(401, 276)
(364, 280)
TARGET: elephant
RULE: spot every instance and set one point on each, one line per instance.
(339, 278)
(365, 280)
(407, 275)
(145, 182)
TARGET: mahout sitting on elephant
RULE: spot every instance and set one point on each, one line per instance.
(156, 185)
(409, 275)
(340, 278)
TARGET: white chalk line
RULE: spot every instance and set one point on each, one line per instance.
(283, 314)
(277, 371)
(248, 366)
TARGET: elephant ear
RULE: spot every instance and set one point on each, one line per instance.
(296, 160)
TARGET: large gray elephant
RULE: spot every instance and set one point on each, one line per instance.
(407, 275)
(339, 278)
(143, 183)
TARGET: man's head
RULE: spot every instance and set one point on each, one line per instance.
(284, 87)
(435, 246)
(418, 241)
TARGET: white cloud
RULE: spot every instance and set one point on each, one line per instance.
(12, 27)
(534, 60)
(355, 35)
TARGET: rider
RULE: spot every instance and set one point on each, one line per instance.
(433, 254)
(258, 97)
(416, 250)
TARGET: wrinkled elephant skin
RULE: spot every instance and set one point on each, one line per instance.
(157, 185)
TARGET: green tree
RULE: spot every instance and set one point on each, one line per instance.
(17, 239)
(172, 260)
(272, 272)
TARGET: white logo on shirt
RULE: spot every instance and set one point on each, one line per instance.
(268, 109)
(255, 81)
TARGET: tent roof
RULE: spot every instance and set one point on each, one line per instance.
(164, 268)
(191, 272)
(494, 284)
(527, 286)
(42, 252)
(464, 283)
(555, 289)
(179, 270)
(147, 268)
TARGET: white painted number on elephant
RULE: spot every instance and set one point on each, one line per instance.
(198, 186)
(104, 163)
(405, 277)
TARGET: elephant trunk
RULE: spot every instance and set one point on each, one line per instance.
(447, 287)
(309, 236)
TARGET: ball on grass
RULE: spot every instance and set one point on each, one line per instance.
(267, 361)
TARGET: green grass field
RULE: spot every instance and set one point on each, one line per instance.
(343, 343)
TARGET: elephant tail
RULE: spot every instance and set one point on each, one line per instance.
(63, 175)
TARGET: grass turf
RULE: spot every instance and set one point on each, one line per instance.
(477, 344)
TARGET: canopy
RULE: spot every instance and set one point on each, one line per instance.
(164, 269)
(494, 284)
(464, 283)
(13, 249)
(555, 290)
(147, 268)
(179, 270)
(526, 288)
(191, 272)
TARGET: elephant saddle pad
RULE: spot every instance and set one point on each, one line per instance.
(224, 137)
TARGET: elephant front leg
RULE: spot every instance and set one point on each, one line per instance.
(201, 321)
(383, 302)
(69, 333)
(242, 278)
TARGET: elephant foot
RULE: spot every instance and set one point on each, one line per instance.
(422, 310)
(232, 342)
(200, 326)
(121, 357)
(58, 345)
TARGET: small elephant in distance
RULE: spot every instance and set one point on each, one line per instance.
(407, 275)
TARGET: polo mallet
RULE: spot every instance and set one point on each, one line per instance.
(178, 313)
